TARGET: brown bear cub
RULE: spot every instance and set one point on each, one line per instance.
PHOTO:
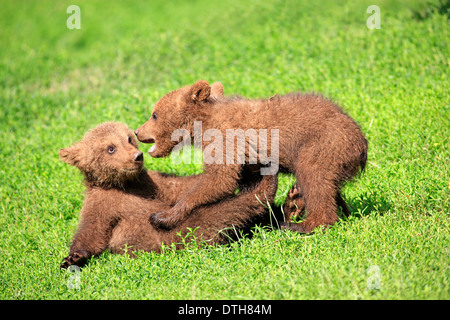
(313, 139)
(121, 195)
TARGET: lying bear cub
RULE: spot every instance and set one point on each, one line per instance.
(121, 195)
(313, 139)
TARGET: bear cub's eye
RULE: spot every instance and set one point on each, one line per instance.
(111, 149)
(129, 140)
(154, 116)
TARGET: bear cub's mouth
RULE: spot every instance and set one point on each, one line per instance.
(150, 140)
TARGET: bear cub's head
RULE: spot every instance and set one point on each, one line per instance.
(176, 110)
(108, 155)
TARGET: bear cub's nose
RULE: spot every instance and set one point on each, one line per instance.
(136, 132)
(139, 156)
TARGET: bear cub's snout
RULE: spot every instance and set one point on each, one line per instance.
(139, 156)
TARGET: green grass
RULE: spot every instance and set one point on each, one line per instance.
(57, 83)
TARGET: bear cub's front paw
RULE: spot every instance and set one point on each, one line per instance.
(78, 258)
(163, 220)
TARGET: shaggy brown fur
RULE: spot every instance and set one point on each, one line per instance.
(319, 143)
(121, 195)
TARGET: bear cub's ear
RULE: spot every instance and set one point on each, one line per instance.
(71, 155)
(217, 90)
(200, 91)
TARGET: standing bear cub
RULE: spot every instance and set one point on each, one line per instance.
(121, 195)
(313, 139)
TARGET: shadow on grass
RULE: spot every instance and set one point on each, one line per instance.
(367, 204)
(441, 7)
(362, 205)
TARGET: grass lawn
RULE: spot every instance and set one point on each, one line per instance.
(57, 83)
